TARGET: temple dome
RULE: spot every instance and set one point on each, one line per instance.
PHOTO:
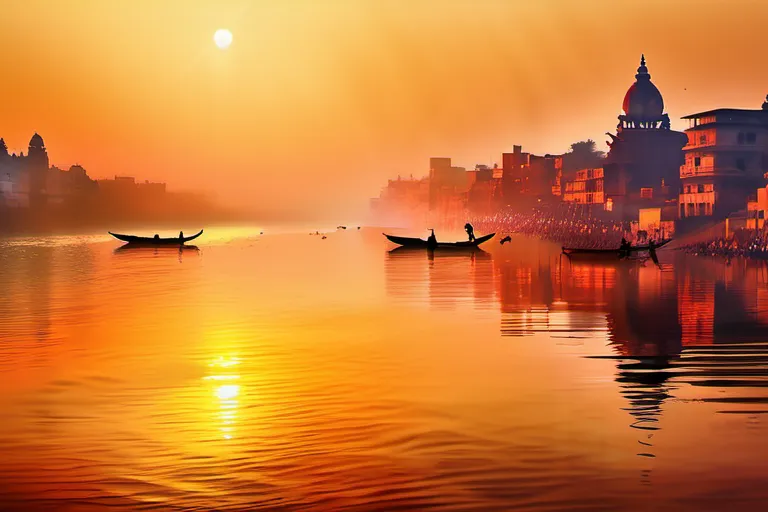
(643, 100)
(36, 141)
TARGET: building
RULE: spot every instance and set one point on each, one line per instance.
(587, 188)
(448, 185)
(645, 155)
(527, 176)
(757, 209)
(125, 188)
(30, 181)
(485, 189)
(36, 164)
(402, 199)
(726, 159)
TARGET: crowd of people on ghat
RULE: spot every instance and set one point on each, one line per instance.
(574, 227)
(571, 228)
(750, 245)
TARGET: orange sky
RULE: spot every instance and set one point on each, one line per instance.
(316, 103)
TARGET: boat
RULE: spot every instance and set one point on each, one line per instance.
(146, 240)
(612, 252)
(423, 244)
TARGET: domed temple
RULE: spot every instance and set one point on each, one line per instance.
(642, 168)
(30, 181)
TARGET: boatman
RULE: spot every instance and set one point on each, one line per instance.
(432, 240)
(624, 248)
(470, 231)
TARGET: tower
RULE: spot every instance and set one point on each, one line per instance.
(643, 165)
(36, 164)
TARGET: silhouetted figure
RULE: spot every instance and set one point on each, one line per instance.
(432, 240)
(324, 237)
(358, 227)
(181, 236)
(470, 231)
(156, 237)
(624, 248)
(652, 252)
(505, 240)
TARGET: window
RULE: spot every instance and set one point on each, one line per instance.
(701, 189)
(703, 138)
(751, 138)
(740, 164)
(697, 161)
(646, 193)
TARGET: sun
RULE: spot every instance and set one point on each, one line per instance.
(222, 38)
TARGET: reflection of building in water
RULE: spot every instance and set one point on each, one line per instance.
(526, 292)
(696, 306)
(643, 383)
(39, 261)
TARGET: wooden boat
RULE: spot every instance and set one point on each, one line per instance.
(423, 244)
(612, 252)
(145, 240)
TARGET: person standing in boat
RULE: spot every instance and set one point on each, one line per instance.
(432, 240)
(181, 236)
(470, 231)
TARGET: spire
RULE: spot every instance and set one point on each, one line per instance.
(642, 71)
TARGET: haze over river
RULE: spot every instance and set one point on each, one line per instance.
(291, 372)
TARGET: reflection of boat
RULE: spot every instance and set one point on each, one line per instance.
(612, 252)
(165, 249)
(144, 240)
(423, 244)
(418, 252)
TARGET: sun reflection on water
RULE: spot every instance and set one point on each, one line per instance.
(226, 394)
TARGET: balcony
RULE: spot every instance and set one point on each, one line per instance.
(689, 171)
(699, 145)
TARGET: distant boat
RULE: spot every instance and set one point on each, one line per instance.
(611, 252)
(148, 240)
(421, 243)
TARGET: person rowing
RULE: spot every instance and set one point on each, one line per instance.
(470, 231)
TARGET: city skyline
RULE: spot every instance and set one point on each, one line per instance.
(352, 94)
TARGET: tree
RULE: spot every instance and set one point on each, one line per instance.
(583, 155)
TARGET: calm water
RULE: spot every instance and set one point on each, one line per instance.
(286, 372)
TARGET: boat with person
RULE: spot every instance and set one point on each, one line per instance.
(424, 244)
(156, 240)
(619, 252)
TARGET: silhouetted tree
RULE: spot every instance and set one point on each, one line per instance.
(583, 155)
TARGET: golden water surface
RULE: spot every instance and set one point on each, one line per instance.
(291, 372)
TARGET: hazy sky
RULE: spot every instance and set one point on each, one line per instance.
(317, 102)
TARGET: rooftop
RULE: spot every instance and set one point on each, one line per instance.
(727, 111)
